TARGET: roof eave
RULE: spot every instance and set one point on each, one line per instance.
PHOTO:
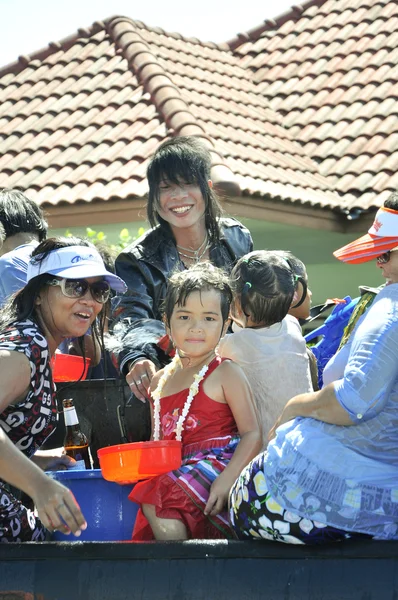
(329, 218)
(117, 210)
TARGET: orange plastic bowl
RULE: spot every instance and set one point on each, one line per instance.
(68, 367)
(128, 463)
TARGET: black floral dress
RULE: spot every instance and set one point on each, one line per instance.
(27, 424)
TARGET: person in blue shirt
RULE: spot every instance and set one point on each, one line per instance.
(330, 471)
(24, 227)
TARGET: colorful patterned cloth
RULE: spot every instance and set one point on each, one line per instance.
(255, 514)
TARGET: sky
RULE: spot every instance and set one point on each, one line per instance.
(29, 25)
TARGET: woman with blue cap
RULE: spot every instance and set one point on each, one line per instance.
(67, 287)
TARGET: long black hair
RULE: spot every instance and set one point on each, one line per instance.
(183, 160)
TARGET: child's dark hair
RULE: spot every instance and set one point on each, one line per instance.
(295, 263)
(183, 159)
(298, 268)
(202, 277)
(265, 284)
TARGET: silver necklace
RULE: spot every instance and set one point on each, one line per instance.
(197, 254)
(197, 251)
(195, 259)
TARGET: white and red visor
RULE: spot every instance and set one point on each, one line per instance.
(381, 237)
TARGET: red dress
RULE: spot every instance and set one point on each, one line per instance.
(209, 439)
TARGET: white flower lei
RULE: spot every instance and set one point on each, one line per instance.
(156, 395)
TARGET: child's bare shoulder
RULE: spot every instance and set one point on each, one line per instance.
(230, 368)
(227, 374)
(232, 378)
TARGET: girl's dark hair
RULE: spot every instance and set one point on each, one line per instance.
(22, 305)
(264, 283)
(183, 160)
(298, 268)
(202, 277)
(295, 263)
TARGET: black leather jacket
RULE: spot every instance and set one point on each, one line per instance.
(145, 266)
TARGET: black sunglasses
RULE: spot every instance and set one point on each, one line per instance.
(384, 258)
(77, 288)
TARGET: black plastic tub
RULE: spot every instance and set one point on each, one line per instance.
(108, 414)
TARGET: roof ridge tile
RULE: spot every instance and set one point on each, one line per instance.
(165, 95)
(173, 34)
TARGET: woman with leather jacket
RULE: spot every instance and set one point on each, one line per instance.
(187, 227)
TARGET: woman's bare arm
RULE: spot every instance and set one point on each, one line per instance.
(321, 405)
(14, 377)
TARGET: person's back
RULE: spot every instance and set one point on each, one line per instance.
(275, 361)
(24, 227)
(268, 343)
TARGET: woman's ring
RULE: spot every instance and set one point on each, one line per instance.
(138, 382)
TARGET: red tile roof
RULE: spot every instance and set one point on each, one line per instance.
(330, 70)
(80, 119)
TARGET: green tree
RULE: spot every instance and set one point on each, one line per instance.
(99, 237)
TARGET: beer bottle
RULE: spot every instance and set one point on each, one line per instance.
(75, 442)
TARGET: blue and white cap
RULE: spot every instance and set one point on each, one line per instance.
(75, 262)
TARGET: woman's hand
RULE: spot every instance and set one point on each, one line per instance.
(139, 378)
(53, 460)
(57, 508)
(55, 504)
(218, 497)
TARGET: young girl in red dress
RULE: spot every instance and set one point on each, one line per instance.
(204, 401)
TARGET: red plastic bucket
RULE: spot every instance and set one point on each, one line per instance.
(69, 367)
(128, 463)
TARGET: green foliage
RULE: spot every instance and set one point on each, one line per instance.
(99, 237)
